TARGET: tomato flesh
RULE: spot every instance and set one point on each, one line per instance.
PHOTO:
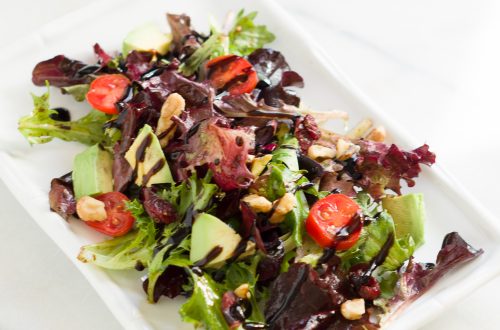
(328, 216)
(118, 221)
(232, 73)
(106, 90)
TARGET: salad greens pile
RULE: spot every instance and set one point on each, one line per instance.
(215, 184)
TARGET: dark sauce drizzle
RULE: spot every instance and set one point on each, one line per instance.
(240, 248)
(166, 132)
(328, 253)
(211, 255)
(303, 186)
(155, 169)
(353, 226)
(342, 234)
(61, 114)
(140, 153)
(179, 235)
(381, 255)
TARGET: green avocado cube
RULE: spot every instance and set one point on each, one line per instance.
(92, 172)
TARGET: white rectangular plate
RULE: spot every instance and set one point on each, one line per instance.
(28, 170)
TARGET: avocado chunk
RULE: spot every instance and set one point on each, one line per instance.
(147, 37)
(92, 172)
(208, 233)
(152, 167)
(408, 213)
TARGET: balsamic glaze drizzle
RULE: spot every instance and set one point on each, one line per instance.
(211, 255)
(155, 169)
(381, 255)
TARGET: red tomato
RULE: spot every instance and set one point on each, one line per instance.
(232, 73)
(106, 90)
(328, 216)
(118, 221)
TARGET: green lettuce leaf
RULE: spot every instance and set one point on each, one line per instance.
(39, 128)
(215, 45)
(245, 36)
(408, 213)
(387, 281)
(203, 308)
(286, 176)
(372, 238)
(77, 91)
(242, 39)
(295, 219)
(194, 191)
(127, 251)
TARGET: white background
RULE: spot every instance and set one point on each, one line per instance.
(432, 65)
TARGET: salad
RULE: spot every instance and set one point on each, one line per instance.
(215, 182)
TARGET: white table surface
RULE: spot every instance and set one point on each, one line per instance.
(432, 65)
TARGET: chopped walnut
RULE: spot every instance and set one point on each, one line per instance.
(90, 209)
(353, 309)
(243, 291)
(346, 149)
(258, 203)
(282, 206)
(173, 106)
(318, 152)
(377, 134)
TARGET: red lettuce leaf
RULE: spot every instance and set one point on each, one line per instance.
(276, 77)
(61, 197)
(61, 71)
(138, 63)
(285, 307)
(224, 150)
(384, 166)
(169, 283)
(330, 182)
(122, 171)
(196, 94)
(103, 58)
(306, 132)
(157, 208)
(241, 106)
(324, 290)
(184, 40)
(417, 278)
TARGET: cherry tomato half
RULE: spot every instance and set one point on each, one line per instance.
(328, 216)
(232, 73)
(106, 90)
(118, 221)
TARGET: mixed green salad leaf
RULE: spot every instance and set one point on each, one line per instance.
(242, 39)
(40, 127)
